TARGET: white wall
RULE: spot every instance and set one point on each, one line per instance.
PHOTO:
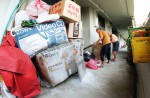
(86, 26)
(124, 32)
(4, 6)
(89, 19)
(93, 22)
(121, 41)
(108, 26)
(7, 8)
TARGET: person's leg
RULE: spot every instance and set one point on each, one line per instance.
(115, 49)
(114, 53)
(108, 47)
(102, 54)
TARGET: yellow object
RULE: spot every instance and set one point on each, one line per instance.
(105, 37)
(141, 49)
(1, 79)
(140, 33)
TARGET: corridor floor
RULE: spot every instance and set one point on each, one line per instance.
(112, 81)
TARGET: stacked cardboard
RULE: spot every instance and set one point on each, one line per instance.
(57, 63)
(56, 58)
(75, 30)
(40, 37)
(79, 44)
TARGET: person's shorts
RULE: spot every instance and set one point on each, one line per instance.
(116, 46)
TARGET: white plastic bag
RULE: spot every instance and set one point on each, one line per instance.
(36, 7)
(20, 16)
(45, 17)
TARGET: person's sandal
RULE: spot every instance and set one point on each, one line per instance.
(113, 60)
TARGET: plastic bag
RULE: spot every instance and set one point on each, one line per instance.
(45, 17)
(87, 56)
(20, 16)
(8, 40)
(17, 70)
(36, 7)
(92, 64)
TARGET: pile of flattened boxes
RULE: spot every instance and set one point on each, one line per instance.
(57, 46)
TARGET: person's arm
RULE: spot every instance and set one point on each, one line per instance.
(100, 39)
(110, 37)
(97, 42)
(101, 36)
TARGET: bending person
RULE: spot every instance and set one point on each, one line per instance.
(104, 37)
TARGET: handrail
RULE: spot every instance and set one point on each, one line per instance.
(88, 47)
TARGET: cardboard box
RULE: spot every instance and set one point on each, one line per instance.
(68, 10)
(40, 37)
(57, 63)
(81, 67)
(97, 56)
(79, 45)
(96, 50)
(69, 57)
(75, 30)
(72, 68)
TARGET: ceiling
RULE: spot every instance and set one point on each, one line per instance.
(119, 12)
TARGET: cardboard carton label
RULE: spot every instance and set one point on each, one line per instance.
(56, 8)
(73, 10)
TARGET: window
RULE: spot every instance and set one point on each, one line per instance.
(101, 21)
(114, 31)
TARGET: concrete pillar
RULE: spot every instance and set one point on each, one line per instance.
(85, 17)
(89, 19)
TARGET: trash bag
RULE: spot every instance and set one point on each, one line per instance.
(45, 17)
(17, 70)
(8, 40)
(36, 7)
(92, 64)
(92, 56)
(87, 56)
